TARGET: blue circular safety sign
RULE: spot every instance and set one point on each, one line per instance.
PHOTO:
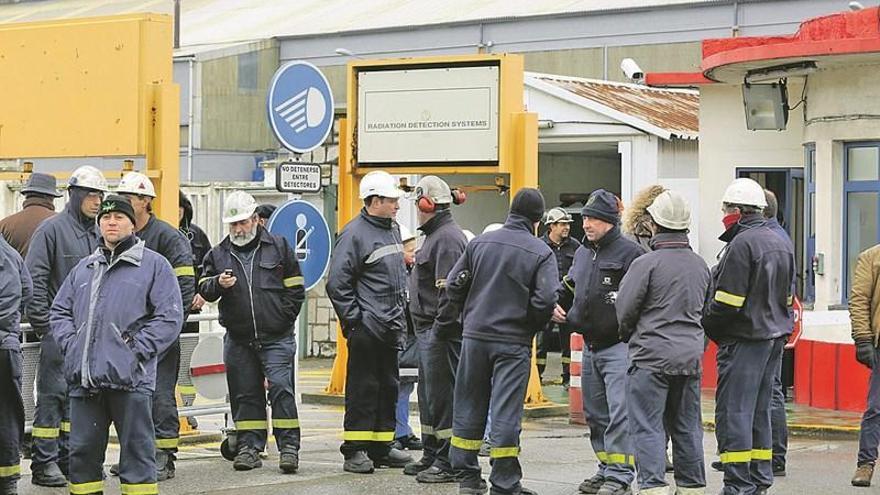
(308, 234)
(300, 106)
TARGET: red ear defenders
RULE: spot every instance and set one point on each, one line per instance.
(427, 205)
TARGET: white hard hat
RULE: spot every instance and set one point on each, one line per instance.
(379, 183)
(468, 235)
(557, 215)
(136, 183)
(238, 206)
(88, 177)
(434, 188)
(406, 234)
(745, 192)
(492, 227)
(671, 210)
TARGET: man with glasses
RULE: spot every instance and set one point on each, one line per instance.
(56, 247)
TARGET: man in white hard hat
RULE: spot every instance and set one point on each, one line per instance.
(367, 286)
(169, 242)
(438, 359)
(749, 317)
(258, 281)
(659, 307)
(558, 223)
(56, 247)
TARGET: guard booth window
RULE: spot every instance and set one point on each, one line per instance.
(862, 204)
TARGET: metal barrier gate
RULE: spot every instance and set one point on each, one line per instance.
(31, 357)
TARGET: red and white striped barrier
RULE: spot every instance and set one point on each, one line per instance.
(575, 392)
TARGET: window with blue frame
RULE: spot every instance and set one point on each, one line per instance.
(861, 190)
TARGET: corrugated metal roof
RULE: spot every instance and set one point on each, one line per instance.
(224, 21)
(668, 113)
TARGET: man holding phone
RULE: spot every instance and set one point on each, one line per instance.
(251, 269)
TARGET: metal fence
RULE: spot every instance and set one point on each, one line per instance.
(188, 342)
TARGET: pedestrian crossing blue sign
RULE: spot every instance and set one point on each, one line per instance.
(307, 231)
(300, 106)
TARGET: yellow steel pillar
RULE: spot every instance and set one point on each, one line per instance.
(163, 151)
(348, 207)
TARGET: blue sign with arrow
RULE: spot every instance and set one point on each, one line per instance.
(307, 231)
(300, 106)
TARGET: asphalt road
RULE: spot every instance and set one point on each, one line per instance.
(556, 457)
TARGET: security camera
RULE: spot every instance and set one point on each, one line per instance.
(632, 70)
(856, 6)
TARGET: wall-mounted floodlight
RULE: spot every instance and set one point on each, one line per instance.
(766, 106)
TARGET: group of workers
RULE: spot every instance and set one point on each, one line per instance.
(643, 300)
(107, 287)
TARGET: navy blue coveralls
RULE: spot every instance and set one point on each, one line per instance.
(259, 313)
(504, 290)
(749, 317)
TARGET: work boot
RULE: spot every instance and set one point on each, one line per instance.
(394, 459)
(358, 463)
(592, 485)
(863, 475)
(718, 466)
(436, 475)
(164, 465)
(473, 487)
(9, 487)
(779, 470)
(417, 467)
(412, 442)
(247, 459)
(48, 475)
(289, 462)
(612, 487)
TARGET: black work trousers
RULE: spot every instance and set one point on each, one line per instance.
(52, 414)
(370, 396)
(496, 372)
(438, 361)
(11, 416)
(742, 413)
(90, 418)
(165, 419)
(248, 365)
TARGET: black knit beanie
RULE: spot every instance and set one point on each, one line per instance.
(528, 202)
(602, 205)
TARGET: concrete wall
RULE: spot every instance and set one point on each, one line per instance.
(726, 144)
(234, 118)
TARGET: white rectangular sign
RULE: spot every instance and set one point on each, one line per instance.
(298, 177)
(443, 115)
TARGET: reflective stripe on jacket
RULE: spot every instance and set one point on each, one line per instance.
(752, 287)
(367, 282)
